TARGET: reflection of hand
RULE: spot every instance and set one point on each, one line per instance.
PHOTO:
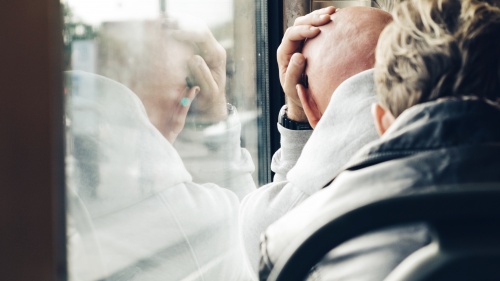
(173, 124)
(292, 63)
(208, 71)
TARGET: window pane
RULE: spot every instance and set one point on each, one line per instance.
(162, 135)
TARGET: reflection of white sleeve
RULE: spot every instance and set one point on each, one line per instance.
(270, 202)
(214, 155)
(185, 232)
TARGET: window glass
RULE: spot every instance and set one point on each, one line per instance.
(162, 129)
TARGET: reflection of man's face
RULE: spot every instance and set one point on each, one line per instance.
(170, 69)
(146, 58)
(163, 66)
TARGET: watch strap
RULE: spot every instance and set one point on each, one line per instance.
(292, 124)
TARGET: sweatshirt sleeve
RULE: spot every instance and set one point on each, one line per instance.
(214, 155)
(262, 208)
(270, 202)
(292, 142)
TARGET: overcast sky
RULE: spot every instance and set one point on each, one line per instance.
(96, 11)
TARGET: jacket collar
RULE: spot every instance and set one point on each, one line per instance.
(445, 123)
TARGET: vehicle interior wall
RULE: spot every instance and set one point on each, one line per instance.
(31, 146)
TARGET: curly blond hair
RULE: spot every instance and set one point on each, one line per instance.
(438, 48)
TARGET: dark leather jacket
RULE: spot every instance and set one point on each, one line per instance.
(431, 146)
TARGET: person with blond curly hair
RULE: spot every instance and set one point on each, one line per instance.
(437, 76)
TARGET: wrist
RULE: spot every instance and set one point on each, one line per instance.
(216, 112)
(296, 114)
(291, 124)
(200, 123)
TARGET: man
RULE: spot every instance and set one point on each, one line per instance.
(438, 85)
(343, 49)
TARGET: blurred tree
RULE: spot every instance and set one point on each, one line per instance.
(74, 29)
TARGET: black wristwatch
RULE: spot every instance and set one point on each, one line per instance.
(291, 124)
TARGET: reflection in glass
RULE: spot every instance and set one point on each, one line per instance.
(160, 100)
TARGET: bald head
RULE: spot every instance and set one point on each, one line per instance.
(345, 47)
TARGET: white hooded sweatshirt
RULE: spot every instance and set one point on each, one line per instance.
(134, 212)
(344, 128)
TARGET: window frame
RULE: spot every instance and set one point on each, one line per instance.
(32, 144)
(271, 29)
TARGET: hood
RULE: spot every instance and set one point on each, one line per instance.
(113, 147)
(445, 123)
(345, 127)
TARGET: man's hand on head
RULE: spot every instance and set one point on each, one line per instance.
(292, 63)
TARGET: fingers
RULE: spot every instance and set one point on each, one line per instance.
(209, 67)
(293, 76)
(309, 105)
(316, 18)
(211, 101)
(207, 46)
(185, 103)
(305, 27)
(201, 35)
(293, 38)
(202, 76)
(292, 43)
(178, 117)
(300, 33)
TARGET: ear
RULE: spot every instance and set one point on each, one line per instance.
(309, 105)
(383, 118)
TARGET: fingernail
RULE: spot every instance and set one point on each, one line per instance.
(313, 28)
(298, 60)
(191, 96)
(324, 16)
